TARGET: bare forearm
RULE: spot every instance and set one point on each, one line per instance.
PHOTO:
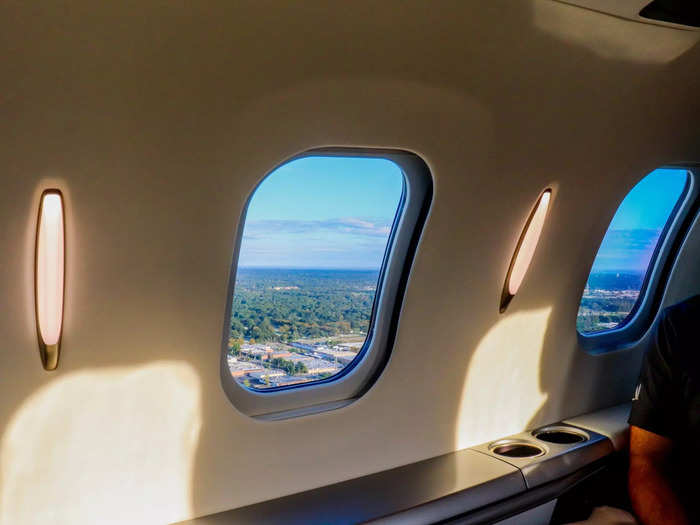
(653, 498)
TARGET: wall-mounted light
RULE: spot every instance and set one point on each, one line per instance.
(49, 272)
(525, 249)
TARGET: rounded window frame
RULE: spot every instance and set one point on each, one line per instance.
(355, 379)
(640, 319)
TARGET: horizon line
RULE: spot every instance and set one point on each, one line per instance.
(353, 268)
(619, 270)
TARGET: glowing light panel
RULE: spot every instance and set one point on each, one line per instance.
(50, 268)
(525, 249)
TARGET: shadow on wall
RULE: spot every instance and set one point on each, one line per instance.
(69, 454)
(582, 381)
(113, 444)
(520, 369)
(493, 404)
(528, 369)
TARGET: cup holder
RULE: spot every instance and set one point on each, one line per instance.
(560, 435)
(516, 449)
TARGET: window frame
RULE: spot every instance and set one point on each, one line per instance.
(355, 379)
(640, 319)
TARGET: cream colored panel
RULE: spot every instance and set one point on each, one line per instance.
(69, 454)
(519, 370)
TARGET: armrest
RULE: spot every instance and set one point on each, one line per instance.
(610, 422)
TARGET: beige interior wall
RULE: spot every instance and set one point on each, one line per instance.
(158, 118)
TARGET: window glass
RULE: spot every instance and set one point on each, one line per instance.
(628, 248)
(315, 234)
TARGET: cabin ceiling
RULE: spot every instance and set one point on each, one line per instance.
(630, 10)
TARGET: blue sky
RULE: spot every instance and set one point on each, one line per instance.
(635, 229)
(322, 212)
(336, 212)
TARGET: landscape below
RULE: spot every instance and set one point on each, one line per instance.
(291, 326)
(608, 300)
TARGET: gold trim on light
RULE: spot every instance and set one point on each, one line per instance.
(527, 244)
(49, 290)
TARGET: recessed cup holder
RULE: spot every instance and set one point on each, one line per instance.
(516, 448)
(560, 435)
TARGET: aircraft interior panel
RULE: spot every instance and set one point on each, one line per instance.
(329, 262)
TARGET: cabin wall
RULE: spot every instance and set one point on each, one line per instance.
(157, 119)
(684, 280)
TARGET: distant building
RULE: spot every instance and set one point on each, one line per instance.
(356, 347)
(315, 365)
(264, 352)
(255, 350)
(289, 380)
(268, 373)
(241, 368)
(280, 354)
(303, 346)
(341, 356)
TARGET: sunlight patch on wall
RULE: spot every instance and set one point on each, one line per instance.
(502, 390)
(103, 446)
(611, 37)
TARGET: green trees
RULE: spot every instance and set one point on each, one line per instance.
(234, 348)
(286, 305)
(290, 367)
(596, 313)
(266, 331)
(237, 328)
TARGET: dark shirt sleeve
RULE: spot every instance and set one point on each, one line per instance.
(654, 402)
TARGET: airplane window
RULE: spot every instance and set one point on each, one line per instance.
(315, 238)
(626, 254)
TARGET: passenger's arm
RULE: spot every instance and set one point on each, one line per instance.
(651, 493)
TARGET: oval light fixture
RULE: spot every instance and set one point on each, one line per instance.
(49, 272)
(525, 249)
